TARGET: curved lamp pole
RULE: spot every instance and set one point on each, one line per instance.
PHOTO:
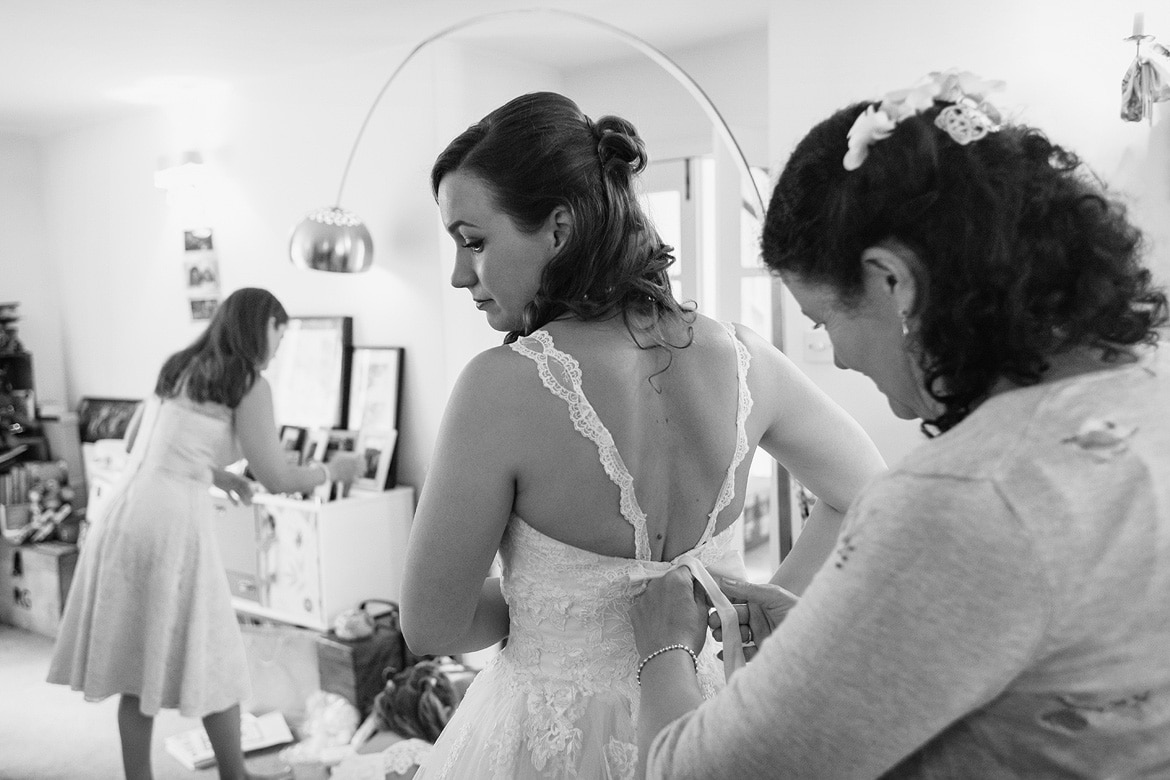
(333, 239)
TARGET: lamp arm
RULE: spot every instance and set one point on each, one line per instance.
(654, 54)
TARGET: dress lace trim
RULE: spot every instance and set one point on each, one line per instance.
(743, 361)
(561, 374)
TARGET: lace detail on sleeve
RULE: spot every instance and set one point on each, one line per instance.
(561, 374)
(743, 360)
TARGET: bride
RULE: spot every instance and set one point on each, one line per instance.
(606, 440)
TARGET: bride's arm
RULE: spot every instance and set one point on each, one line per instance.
(817, 442)
(448, 605)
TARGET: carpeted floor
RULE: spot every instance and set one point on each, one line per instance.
(48, 732)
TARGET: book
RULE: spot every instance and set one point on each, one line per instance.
(193, 750)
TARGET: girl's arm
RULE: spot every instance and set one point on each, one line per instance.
(447, 607)
(819, 444)
(256, 428)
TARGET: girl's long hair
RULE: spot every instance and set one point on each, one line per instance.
(222, 364)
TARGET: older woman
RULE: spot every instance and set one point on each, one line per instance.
(997, 603)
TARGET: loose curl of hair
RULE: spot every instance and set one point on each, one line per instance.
(1021, 253)
(539, 152)
(223, 363)
(417, 702)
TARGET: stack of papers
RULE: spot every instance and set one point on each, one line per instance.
(193, 750)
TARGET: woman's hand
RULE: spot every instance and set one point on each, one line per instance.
(672, 609)
(760, 608)
(344, 467)
(238, 489)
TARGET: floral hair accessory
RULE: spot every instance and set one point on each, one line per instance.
(969, 117)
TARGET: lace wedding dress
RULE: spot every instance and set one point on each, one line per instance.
(561, 699)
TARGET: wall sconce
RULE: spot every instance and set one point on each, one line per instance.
(334, 239)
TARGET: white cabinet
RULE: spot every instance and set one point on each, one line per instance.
(303, 562)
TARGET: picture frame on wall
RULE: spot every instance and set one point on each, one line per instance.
(377, 451)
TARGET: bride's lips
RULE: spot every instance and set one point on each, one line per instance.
(480, 304)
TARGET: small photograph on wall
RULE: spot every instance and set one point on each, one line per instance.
(198, 240)
(200, 273)
(202, 309)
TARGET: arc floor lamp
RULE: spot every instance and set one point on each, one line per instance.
(334, 239)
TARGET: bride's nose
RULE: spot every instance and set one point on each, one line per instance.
(463, 275)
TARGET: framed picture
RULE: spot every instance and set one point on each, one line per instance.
(377, 450)
(375, 388)
(310, 373)
(316, 442)
(105, 418)
(375, 403)
(336, 441)
(292, 443)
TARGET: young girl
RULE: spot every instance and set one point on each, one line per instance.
(149, 614)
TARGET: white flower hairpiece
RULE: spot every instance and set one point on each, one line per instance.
(969, 117)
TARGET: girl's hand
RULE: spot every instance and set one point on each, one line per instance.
(672, 609)
(238, 489)
(345, 467)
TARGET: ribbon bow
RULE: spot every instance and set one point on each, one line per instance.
(730, 565)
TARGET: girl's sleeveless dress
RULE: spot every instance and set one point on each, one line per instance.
(561, 699)
(149, 612)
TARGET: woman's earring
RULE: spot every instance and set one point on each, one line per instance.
(905, 326)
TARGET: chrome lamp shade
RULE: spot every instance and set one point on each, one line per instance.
(331, 239)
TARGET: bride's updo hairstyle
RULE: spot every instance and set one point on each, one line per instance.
(1020, 253)
(538, 152)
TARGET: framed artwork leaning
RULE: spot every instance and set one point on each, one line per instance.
(377, 450)
(310, 373)
(292, 443)
(375, 403)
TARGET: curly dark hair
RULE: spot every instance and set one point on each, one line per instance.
(417, 702)
(222, 364)
(538, 152)
(1021, 253)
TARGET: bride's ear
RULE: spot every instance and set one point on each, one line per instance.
(560, 227)
(891, 279)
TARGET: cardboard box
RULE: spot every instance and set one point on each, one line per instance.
(34, 582)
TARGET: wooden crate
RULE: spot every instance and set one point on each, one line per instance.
(34, 582)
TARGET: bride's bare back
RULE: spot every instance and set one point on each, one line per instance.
(674, 429)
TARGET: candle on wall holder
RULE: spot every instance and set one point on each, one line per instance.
(1139, 29)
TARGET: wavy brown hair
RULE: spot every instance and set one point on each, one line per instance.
(1021, 252)
(222, 364)
(538, 152)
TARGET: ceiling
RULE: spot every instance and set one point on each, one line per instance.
(72, 62)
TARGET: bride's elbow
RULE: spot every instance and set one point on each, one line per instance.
(424, 636)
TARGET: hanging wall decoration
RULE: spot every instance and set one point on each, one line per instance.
(1147, 80)
(201, 270)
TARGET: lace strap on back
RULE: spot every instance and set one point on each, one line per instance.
(561, 374)
(743, 360)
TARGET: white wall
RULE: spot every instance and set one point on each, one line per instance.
(274, 151)
(731, 71)
(1062, 60)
